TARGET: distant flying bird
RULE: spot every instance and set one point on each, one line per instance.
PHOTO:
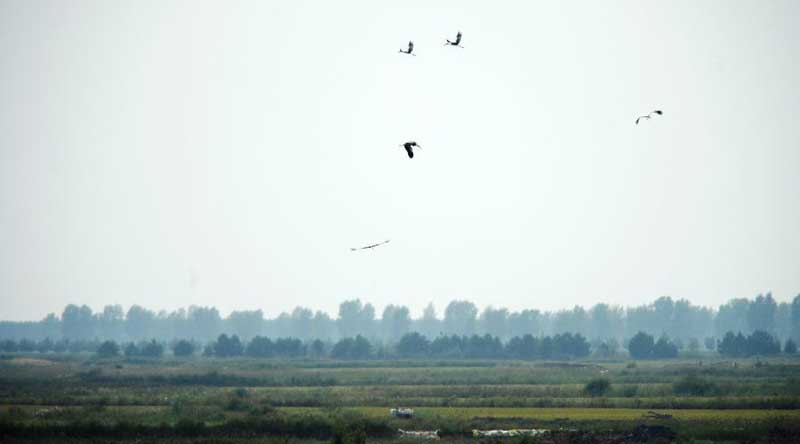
(457, 42)
(367, 247)
(409, 148)
(410, 48)
(657, 112)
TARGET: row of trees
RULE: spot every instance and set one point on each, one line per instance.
(678, 319)
(410, 345)
(644, 346)
(416, 345)
(759, 343)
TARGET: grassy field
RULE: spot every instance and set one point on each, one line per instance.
(80, 396)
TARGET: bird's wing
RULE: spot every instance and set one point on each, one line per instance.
(410, 46)
(410, 152)
(637, 120)
(659, 112)
(458, 38)
(370, 246)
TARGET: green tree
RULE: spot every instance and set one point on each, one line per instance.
(460, 317)
(302, 323)
(139, 322)
(246, 323)
(108, 349)
(395, 321)
(641, 346)
(152, 349)
(494, 321)
(761, 313)
(228, 346)
(429, 324)
(525, 322)
(413, 345)
(77, 322)
(664, 348)
(355, 318)
(795, 316)
(183, 348)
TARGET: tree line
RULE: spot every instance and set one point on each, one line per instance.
(678, 319)
(417, 346)
(410, 345)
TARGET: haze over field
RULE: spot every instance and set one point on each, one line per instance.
(170, 154)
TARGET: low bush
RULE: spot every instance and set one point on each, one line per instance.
(694, 385)
(598, 387)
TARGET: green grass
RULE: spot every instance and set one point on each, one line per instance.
(58, 395)
(573, 414)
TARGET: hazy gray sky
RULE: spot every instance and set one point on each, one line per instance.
(251, 144)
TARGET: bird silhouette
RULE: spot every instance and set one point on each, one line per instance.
(409, 148)
(650, 115)
(457, 42)
(368, 247)
(410, 49)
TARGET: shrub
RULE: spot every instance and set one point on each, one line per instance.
(259, 347)
(790, 347)
(8, 346)
(26, 345)
(598, 387)
(630, 391)
(183, 348)
(317, 348)
(693, 385)
(108, 349)
(45, 345)
(131, 350)
(152, 349)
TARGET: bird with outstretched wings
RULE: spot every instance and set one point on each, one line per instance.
(457, 42)
(649, 115)
(409, 147)
(369, 247)
(410, 49)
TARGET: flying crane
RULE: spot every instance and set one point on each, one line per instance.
(657, 112)
(457, 42)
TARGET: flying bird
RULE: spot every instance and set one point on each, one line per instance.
(457, 42)
(410, 48)
(409, 146)
(650, 115)
(367, 247)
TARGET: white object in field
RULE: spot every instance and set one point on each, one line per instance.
(401, 413)
(508, 433)
(420, 434)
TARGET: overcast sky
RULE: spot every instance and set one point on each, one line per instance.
(170, 153)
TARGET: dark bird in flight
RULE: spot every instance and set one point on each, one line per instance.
(409, 146)
(650, 115)
(457, 42)
(367, 247)
(410, 48)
